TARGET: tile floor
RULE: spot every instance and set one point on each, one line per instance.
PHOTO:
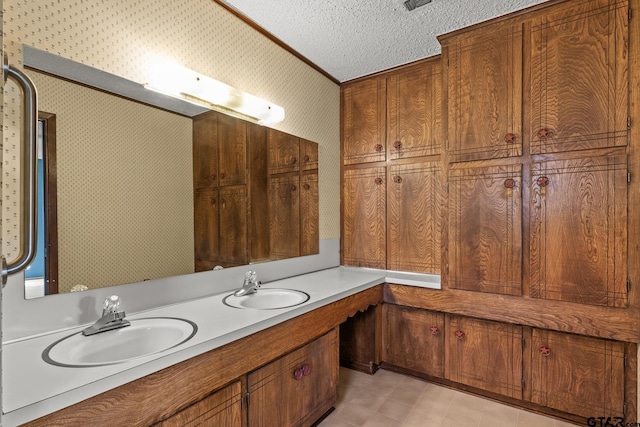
(389, 399)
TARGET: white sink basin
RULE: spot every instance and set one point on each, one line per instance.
(268, 299)
(142, 338)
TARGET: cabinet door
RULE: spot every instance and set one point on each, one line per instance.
(579, 76)
(414, 339)
(284, 211)
(363, 121)
(233, 226)
(309, 226)
(308, 155)
(205, 150)
(414, 202)
(364, 224)
(414, 111)
(485, 354)
(223, 408)
(232, 139)
(296, 389)
(206, 238)
(485, 93)
(485, 232)
(578, 230)
(579, 375)
(284, 152)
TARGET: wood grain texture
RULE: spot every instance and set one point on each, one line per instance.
(258, 190)
(410, 342)
(156, 397)
(485, 228)
(485, 92)
(488, 355)
(284, 152)
(232, 142)
(578, 230)
(308, 155)
(579, 76)
(50, 202)
(631, 382)
(284, 214)
(309, 215)
(414, 111)
(277, 398)
(581, 375)
(222, 408)
(205, 150)
(595, 321)
(233, 226)
(207, 229)
(415, 198)
(363, 113)
(363, 218)
(359, 341)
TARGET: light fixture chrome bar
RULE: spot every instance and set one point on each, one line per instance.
(28, 154)
(412, 4)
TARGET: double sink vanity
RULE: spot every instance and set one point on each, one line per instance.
(173, 357)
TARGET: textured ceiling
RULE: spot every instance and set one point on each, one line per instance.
(353, 38)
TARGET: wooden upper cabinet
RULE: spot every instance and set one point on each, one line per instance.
(579, 76)
(415, 197)
(308, 155)
(207, 232)
(233, 226)
(309, 218)
(578, 226)
(205, 150)
(284, 152)
(363, 121)
(284, 213)
(414, 116)
(363, 218)
(232, 141)
(575, 374)
(485, 228)
(414, 339)
(485, 354)
(484, 82)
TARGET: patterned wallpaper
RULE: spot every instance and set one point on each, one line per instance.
(123, 37)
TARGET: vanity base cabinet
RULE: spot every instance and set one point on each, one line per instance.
(297, 389)
(222, 408)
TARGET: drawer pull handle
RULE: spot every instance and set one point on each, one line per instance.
(222, 175)
(397, 179)
(306, 186)
(544, 133)
(378, 181)
(306, 369)
(543, 181)
(545, 351)
(297, 374)
(434, 330)
(459, 335)
(509, 183)
(510, 138)
(306, 158)
(293, 160)
(213, 177)
(378, 147)
(293, 187)
(397, 145)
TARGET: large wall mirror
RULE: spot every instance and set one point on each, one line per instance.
(139, 187)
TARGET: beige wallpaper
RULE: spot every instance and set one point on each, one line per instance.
(124, 37)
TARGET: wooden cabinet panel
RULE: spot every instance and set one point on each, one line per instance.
(280, 395)
(258, 188)
(414, 200)
(309, 221)
(284, 211)
(364, 220)
(579, 375)
(207, 237)
(485, 229)
(415, 339)
(578, 226)
(223, 408)
(579, 76)
(284, 152)
(233, 226)
(232, 140)
(414, 111)
(484, 354)
(485, 93)
(308, 155)
(363, 121)
(205, 150)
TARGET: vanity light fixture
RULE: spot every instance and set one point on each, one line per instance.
(180, 82)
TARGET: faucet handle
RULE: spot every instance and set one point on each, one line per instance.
(250, 276)
(111, 304)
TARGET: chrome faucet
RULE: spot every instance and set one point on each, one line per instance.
(250, 285)
(111, 317)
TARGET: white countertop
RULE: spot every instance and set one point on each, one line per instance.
(32, 388)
